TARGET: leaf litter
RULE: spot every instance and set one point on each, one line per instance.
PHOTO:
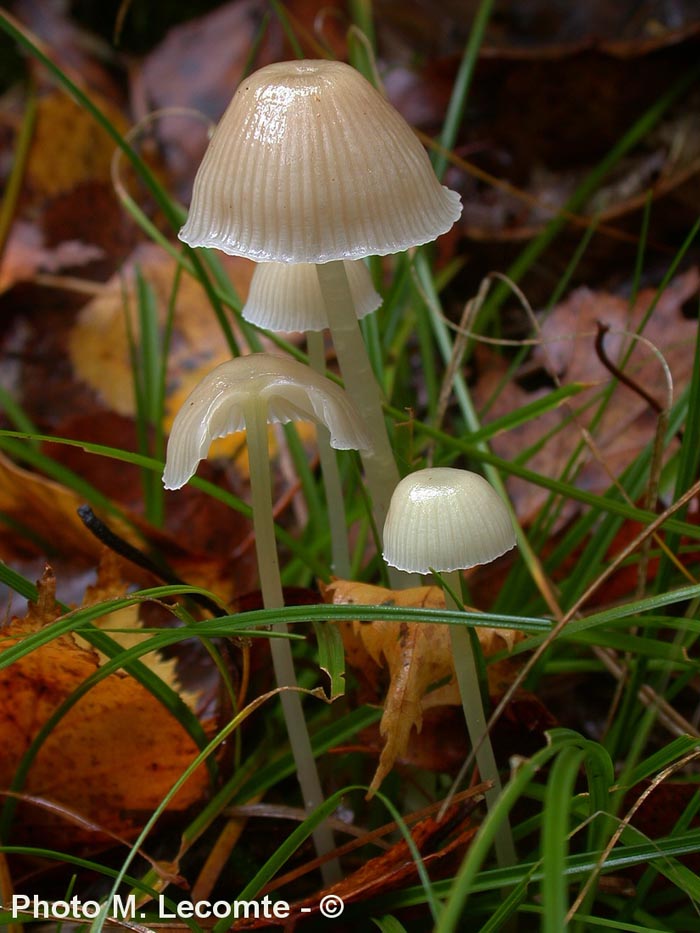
(380, 655)
(82, 762)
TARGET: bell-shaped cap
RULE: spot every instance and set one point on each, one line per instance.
(445, 519)
(310, 163)
(289, 391)
(286, 296)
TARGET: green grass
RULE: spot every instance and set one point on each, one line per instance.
(570, 803)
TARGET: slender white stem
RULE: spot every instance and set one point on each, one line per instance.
(468, 681)
(332, 485)
(273, 598)
(379, 464)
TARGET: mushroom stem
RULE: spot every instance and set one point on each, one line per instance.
(332, 485)
(379, 464)
(472, 704)
(273, 598)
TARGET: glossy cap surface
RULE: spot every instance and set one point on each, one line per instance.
(310, 163)
(445, 519)
(288, 390)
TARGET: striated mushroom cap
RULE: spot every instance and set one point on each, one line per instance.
(445, 519)
(286, 296)
(310, 163)
(289, 390)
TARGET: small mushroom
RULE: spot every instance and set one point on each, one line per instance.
(247, 393)
(286, 296)
(446, 520)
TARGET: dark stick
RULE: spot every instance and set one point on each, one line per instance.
(112, 540)
(623, 377)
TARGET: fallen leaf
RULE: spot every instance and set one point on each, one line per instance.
(439, 843)
(397, 867)
(49, 510)
(82, 764)
(417, 658)
(110, 584)
(68, 146)
(99, 344)
(567, 352)
(197, 67)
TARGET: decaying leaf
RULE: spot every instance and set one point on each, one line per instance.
(26, 254)
(111, 758)
(417, 657)
(397, 867)
(110, 584)
(49, 510)
(568, 353)
(68, 146)
(437, 841)
(99, 343)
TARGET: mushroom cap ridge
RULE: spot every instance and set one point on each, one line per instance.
(310, 163)
(289, 390)
(445, 519)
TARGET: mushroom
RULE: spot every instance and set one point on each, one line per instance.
(247, 393)
(287, 297)
(446, 520)
(311, 164)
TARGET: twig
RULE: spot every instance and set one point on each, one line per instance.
(117, 544)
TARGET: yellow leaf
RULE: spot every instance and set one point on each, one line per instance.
(68, 147)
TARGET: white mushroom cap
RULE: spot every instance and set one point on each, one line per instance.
(289, 390)
(445, 519)
(310, 163)
(286, 296)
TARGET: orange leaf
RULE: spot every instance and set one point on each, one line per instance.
(111, 758)
(418, 658)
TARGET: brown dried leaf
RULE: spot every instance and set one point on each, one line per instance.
(99, 342)
(392, 869)
(82, 762)
(110, 584)
(397, 867)
(418, 658)
(568, 352)
(49, 510)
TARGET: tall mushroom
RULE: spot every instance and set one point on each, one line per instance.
(311, 164)
(446, 520)
(247, 393)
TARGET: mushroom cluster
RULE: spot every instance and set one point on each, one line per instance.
(309, 172)
(310, 164)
